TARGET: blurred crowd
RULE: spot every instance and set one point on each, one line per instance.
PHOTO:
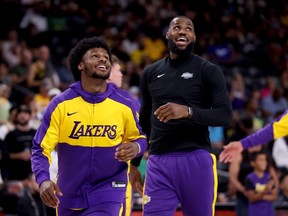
(246, 39)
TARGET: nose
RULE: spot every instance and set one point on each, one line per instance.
(182, 31)
(102, 59)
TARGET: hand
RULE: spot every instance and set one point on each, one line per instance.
(230, 151)
(126, 151)
(48, 190)
(170, 111)
(269, 186)
(136, 179)
(26, 155)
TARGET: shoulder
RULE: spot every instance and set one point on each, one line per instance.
(124, 97)
(60, 100)
(126, 94)
(210, 71)
(156, 65)
(208, 66)
(250, 176)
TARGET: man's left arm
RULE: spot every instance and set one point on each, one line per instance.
(220, 113)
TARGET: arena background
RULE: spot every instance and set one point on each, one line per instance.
(247, 39)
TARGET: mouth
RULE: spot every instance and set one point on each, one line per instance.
(181, 41)
(102, 67)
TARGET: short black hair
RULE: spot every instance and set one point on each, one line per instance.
(23, 108)
(76, 54)
(254, 155)
(180, 17)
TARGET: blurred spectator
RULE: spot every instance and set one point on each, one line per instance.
(260, 187)
(237, 91)
(64, 74)
(283, 196)
(11, 49)
(41, 99)
(33, 16)
(219, 51)
(271, 84)
(140, 53)
(5, 77)
(274, 104)
(22, 198)
(19, 73)
(10, 195)
(280, 153)
(252, 109)
(18, 143)
(42, 69)
(116, 73)
(135, 92)
(4, 130)
(10, 124)
(131, 75)
(130, 43)
(5, 104)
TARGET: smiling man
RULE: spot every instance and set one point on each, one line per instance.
(96, 131)
(183, 94)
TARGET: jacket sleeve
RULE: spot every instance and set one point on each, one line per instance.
(44, 142)
(274, 130)
(133, 131)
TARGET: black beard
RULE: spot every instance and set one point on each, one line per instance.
(97, 76)
(103, 77)
(180, 52)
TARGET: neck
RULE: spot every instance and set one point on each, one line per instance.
(259, 173)
(93, 85)
(25, 127)
(174, 56)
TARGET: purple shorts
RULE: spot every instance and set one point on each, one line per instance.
(188, 178)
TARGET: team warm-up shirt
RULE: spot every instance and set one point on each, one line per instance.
(87, 128)
(273, 130)
(190, 81)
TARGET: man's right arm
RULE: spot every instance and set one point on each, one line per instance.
(44, 142)
(274, 130)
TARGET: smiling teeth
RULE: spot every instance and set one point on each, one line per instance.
(182, 39)
(102, 67)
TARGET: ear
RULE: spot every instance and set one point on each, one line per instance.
(194, 38)
(81, 66)
(167, 35)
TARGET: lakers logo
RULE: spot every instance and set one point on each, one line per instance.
(260, 187)
(146, 199)
(81, 130)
